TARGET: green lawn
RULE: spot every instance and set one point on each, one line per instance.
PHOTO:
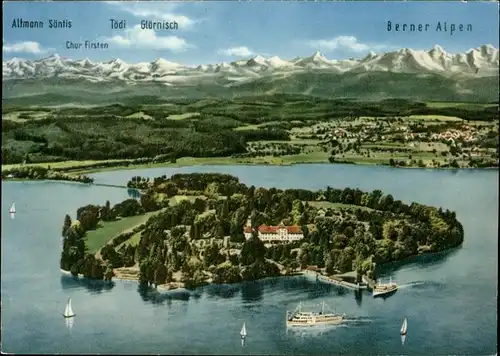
(178, 198)
(312, 157)
(434, 117)
(183, 116)
(108, 230)
(470, 106)
(246, 127)
(133, 241)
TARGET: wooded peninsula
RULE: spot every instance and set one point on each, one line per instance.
(194, 226)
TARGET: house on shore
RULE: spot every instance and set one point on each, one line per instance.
(276, 234)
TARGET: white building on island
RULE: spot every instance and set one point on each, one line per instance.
(280, 233)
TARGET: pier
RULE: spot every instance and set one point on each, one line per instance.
(369, 282)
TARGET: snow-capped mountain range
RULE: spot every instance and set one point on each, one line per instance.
(478, 62)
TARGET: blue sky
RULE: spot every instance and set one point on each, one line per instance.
(211, 32)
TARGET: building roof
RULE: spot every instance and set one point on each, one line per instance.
(264, 229)
(312, 268)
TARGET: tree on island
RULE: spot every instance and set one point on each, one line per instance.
(67, 224)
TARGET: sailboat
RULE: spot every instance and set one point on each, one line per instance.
(12, 209)
(243, 331)
(68, 312)
(404, 327)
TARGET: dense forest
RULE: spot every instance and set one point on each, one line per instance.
(185, 128)
(202, 238)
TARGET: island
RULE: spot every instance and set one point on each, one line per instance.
(278, 129)
(188, 230)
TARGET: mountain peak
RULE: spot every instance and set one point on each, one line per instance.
(116, 60)
(487, 48)
(257, 61)
(370, 55)
(397, 61)
(276, 61)
(15, 60)
(318, 56)
(438, 48)
(163, 61)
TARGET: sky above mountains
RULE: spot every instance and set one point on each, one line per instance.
(212, 32)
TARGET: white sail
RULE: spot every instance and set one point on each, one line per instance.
(68, 312)
(404, 327)
(12, 208)
(243, 331)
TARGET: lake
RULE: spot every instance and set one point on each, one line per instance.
(450, 299)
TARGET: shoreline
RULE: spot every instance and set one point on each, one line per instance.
(168, 287)
(122, 275)
(220, 162)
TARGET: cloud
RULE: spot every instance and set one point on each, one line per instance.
(154, 11)
(138, 38)
(241, 51)
(23, 47)
(344, 43)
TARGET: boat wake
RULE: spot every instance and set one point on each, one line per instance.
(362, 320)
(317, 330)
(420, 285)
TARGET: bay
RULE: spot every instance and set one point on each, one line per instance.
(449, 299)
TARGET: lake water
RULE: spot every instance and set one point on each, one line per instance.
(450, 299)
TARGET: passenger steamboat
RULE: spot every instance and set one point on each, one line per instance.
(310, 318)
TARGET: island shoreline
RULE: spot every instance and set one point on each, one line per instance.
(249, 258)
(173, 286)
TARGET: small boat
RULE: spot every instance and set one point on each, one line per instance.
(301, 318)
(68, 312)
(382, 289)
(243, 331)
(404, 327)
(12, 209)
